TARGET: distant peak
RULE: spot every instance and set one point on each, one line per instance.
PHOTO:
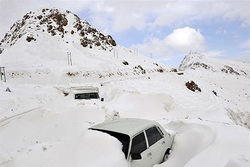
(194, 60)
(191, 60)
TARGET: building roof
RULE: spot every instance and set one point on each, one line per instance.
(128, 126)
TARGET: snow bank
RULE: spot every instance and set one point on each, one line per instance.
(201, 144)
(90, 149)
(190, 140)
(148, 106)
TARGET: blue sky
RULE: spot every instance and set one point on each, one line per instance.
(162, 29)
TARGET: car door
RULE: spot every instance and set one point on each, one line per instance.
(157, 144)
(140, 154)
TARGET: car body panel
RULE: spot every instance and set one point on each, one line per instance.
(129, 126)
(138, 152)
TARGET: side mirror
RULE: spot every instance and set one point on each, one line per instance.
(136, 156)
(102, 99)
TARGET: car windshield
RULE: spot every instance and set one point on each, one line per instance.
(87, 96)
(123, 138)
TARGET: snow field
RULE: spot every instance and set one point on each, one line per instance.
(54, 133)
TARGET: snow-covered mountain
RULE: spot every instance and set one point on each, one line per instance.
(226, 79)
(59, 23)
(205, 101)
(56, 41)
(195, 60)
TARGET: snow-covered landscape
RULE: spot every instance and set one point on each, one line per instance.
(205, 101)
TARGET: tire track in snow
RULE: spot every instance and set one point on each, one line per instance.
(16, 116)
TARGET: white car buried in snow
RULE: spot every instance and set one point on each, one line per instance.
(145, 143)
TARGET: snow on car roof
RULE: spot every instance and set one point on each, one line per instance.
(128, 126)
(84, 89)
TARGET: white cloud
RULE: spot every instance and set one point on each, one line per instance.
(184, 39)
(171, 12)
(123, 14)
(239, 10)
(182, 12)
(119, 16)
(181, 40)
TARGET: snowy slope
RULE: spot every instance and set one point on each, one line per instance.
(40, 126)
(44, 39)
(227, 80)
(195, 60)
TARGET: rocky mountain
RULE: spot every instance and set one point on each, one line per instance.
(194, 61)
(60, 23)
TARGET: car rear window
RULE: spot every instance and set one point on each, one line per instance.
(138, 144)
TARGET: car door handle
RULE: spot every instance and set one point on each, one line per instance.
(149, 154)
(163, 142)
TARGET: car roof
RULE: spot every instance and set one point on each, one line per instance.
(84, 89)
(128, 126)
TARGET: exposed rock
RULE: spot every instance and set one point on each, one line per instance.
(139, 70)
(125, 63)
(214, 92)
(180, 73)
(30, 39)
(193, 86)
(160, 70)
(173, 70)
(230, 70)
(202, 65)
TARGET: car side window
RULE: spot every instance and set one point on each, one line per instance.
(153, 135)
(138, 144)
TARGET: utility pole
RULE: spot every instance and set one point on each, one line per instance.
(69, 58)
(2, 74)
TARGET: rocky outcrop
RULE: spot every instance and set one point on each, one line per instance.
(193, 86)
